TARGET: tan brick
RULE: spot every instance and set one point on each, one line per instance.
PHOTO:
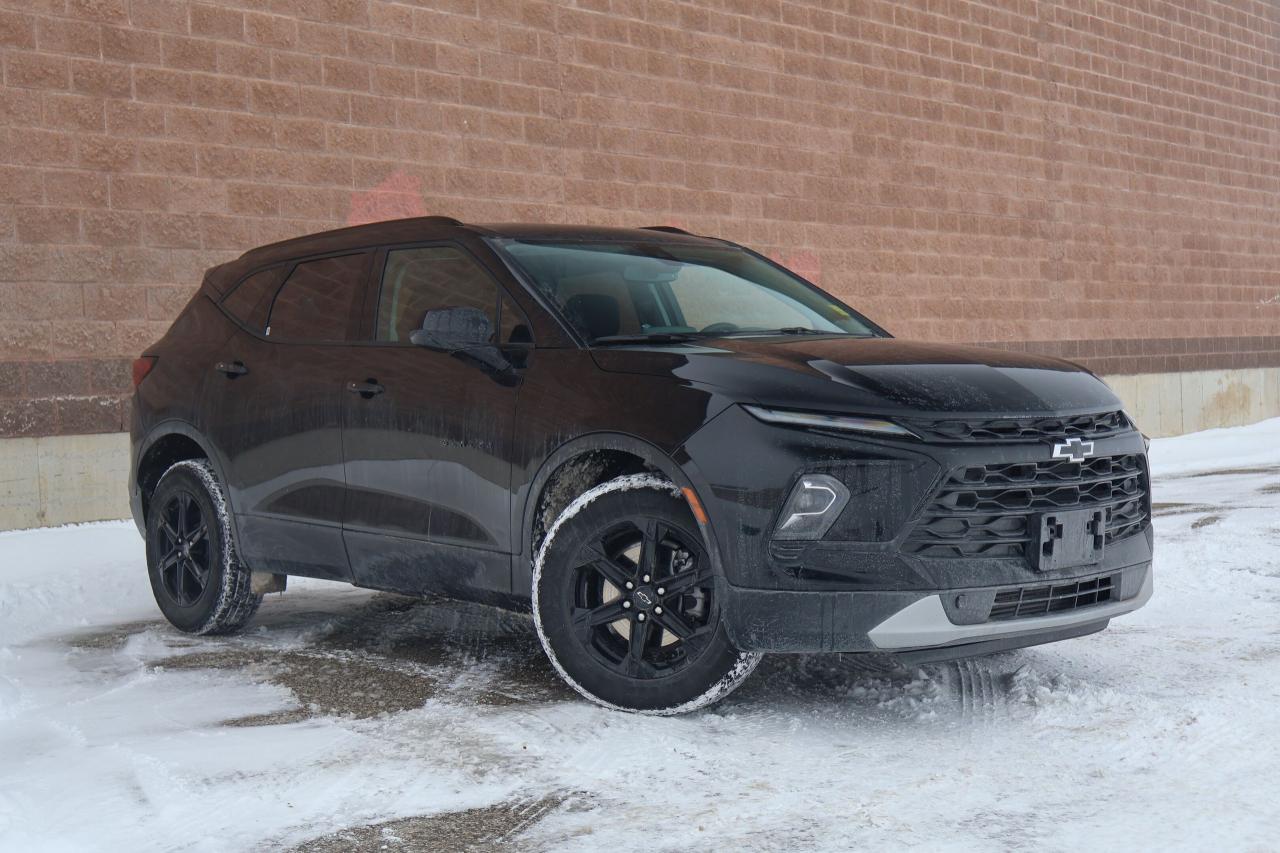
(75, 189)
(219, 92)
(74, 112)
(130, 45)
(129, 118)
(34, 70)
(344, 74)
(111, 227)
(39, 147)
(217, 22)
(47, 225)
(167, 15)
(17, 30)
(103, 11)
(106, 153)
(271, 30)
(190, 54)
(59, 35)
(106, 79)
(140, 192)
(162, 85)
(20, 185)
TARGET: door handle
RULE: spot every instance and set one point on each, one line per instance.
(367, 389)
(231, 369)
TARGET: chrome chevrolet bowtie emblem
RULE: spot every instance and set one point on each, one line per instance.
(1073, 449)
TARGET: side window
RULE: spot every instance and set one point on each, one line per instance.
(318, 301)
(513, 324)
(251, 298)
(418, 280)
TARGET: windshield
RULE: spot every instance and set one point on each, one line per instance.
(623, 291)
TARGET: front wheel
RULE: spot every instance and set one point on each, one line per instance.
(196, 575)
(625, 605)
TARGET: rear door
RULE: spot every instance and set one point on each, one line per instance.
(277, 412)
(427, 435)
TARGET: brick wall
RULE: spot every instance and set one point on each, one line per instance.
(1097, 179)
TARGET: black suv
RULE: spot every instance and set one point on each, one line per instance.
(676, 453)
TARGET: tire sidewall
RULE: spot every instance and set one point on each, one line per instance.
(708, 678)
(200, 615)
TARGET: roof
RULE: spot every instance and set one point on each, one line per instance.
(429, 228)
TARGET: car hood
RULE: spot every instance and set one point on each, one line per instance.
(872, 375)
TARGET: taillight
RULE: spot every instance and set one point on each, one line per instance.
(141, 367)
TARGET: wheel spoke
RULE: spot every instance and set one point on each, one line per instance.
(167, 529)
(635, 663)
(198, 535)
(677, 584)
(169, 560)
(676, 624)
(180, 582)
(587, 618)
(649, 547)
(605, 565)
(195, 575)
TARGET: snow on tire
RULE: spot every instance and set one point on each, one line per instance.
(198, 579)
(624, 602)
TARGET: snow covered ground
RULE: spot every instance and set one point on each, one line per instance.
(350, 720)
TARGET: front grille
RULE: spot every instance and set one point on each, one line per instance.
(1040, 600)
(962, 430)
(992, 510)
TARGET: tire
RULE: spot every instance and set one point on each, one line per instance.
(196, 576)
(634, 649)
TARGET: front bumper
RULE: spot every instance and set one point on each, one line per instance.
(909, 624)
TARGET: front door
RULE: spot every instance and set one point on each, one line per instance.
(277, 397)
(427, 437)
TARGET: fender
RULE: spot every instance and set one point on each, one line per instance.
(164, 429)
(524, 504)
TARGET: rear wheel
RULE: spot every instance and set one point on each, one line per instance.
(197, 579)
(625, 604)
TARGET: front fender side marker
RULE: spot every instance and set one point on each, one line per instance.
(695, 505)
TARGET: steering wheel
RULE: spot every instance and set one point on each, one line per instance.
(716, 328)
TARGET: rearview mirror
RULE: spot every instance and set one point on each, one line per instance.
(453, 329)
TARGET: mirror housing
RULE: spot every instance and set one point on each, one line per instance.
(466, 333)
(453, 329)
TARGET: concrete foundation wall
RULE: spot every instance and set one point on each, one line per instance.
(63, 479)
(1175, 403)
(75, 478)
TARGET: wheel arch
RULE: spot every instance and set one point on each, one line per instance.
(167, 443)
(587, 461)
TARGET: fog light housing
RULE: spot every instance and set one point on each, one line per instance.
(813, 506)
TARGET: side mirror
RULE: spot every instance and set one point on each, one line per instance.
(468, 334)
(453, 329)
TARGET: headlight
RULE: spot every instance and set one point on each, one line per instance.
(819, 420)
(813, 506)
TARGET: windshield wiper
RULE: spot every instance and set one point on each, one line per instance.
(804, 330)
(654, 338)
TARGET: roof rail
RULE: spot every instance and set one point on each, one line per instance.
(668, 229)
(444, 220)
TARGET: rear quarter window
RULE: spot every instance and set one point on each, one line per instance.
(249, 301)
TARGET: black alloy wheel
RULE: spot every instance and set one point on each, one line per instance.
(626, 605)
(644, 598)
(183, 546)
(198, 579)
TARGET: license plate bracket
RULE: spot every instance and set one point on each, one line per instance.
(1070, 538)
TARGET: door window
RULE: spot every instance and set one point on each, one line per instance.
(416, 281)
(318, 301)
